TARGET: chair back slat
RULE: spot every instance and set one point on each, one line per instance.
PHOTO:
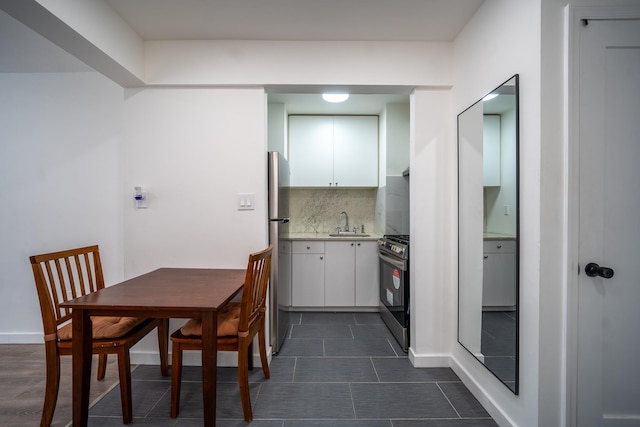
(254, 294)
(87, 266)
(63, 276)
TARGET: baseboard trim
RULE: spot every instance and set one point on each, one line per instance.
(479, 393)
(22, 338)
(429, 360)
(190, 358)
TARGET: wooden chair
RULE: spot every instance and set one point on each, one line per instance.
(65, 275)
(238, 324)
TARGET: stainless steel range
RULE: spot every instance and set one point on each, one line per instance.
(393, 251)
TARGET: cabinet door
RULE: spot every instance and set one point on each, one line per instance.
(307, 277)
(355, 151)
(499, 274)
(339, 276)
(367, 274)
(491, 150)
(311, 151)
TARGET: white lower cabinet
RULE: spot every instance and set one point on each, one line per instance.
(367, 274)
(340, 274)
(499, 274)
(335, 274)
(307, 274)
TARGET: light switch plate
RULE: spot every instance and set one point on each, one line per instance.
(246, 201)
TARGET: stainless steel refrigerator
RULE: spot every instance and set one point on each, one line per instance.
(279, 286)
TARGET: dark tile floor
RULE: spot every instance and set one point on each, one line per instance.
(499, 345)
(335, 369)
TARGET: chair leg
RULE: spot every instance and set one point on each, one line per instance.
(262, 347)
(176, 378)
(163, 344)
(243, 379)
(102, 366)
(53, 383)
(124, 369)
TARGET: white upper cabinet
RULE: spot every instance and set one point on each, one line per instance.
(311, 151)
(328, 151)
(355, 151)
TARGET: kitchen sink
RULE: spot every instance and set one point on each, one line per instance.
(348, 234)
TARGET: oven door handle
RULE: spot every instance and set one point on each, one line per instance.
(396, 263)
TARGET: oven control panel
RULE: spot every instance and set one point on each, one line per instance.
(394, 246)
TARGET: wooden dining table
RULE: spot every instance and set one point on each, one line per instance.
(163, 293)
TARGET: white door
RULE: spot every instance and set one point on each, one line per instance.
(608, 370)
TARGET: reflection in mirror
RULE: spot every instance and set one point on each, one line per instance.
(488, 231)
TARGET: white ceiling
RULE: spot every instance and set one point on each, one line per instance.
(23, 50)
(305, 20)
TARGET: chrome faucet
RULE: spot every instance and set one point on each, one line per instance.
(346, 217)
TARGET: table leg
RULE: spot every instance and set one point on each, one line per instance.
(81, 358)
(209, 366)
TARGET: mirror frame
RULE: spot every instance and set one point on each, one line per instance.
(515, 388)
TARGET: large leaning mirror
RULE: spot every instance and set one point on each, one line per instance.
(488, 231)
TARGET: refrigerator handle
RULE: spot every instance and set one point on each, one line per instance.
(282, 220)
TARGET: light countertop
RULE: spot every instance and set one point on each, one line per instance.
(497, 236)
(325, 236)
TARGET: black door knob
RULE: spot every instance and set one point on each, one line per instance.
(592, 269)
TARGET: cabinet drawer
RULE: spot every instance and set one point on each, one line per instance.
(284, 247)
(499, 246)
(308, 247)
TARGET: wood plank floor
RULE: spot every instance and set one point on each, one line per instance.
(22, 382)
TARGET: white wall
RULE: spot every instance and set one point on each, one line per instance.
(235, 62)
(470, 227)
(193, 150)
(59, 183)
(502, 39)
(397, 136)
(392, 204)
(277, 131)
(504, 195)
(380, 217)
(432, 168)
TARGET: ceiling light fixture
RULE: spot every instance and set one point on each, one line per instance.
(489, 97)
(335, 97)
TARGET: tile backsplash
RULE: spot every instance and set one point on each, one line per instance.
(317, 210)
